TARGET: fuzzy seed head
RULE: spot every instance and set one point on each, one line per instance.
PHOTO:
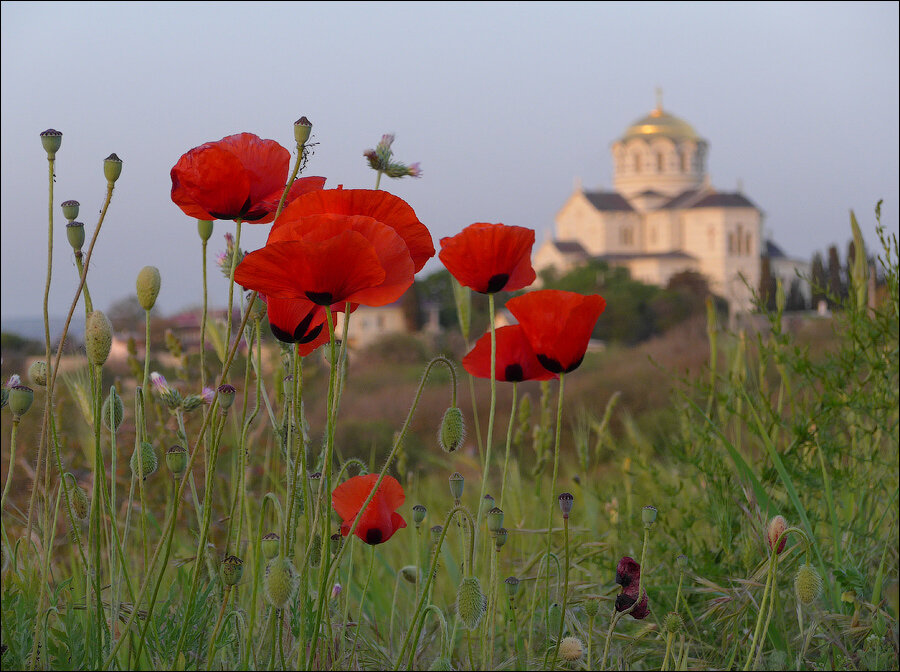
(37, 372)
(20, 399)
(176, 460)
(148, 282)
(97, 337)
(471, 602)
(114, 402)
(281, 582)
(807, 584)
(148, 462)
(571, 649)
(231, 570)
(674, 622)
(270, 545)
(453, 430)
(591, 607)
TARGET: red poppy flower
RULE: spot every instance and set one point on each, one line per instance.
(380, 520)
(381, 205)
(239, 177)
(297, 321)
(628, 575)
(490, 257)
(558, 325)
(516, 360)
(330, 259)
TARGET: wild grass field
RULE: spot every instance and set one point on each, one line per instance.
(709, 499)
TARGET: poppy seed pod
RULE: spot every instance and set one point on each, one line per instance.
(204, 229)
(176, 460)
(453, 430)
(419, 513)
(566, 501)
(280, 583)
(500, 537)
(75, 235)
(20, 399)
(97, 337)
(70, 209)
(512, 586)
(571, 649)
(674, 623)
(487, 503)
(495, 519)
(302, 129)
(112, 168)
(648, 516)
(148, 461)
(457, 482)
(231, 570)
(51, 139)
(336, 543)
(471, 602)
(226, 396)
(807, 584)
(113, 402)
(774, 531)
(148, 281)
(682, 561)
(270, 545)
(37, 372)
(436, 534)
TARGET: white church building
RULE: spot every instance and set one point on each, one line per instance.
(664, 217)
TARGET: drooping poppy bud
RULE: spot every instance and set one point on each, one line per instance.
(113, 410)
(453, 430)
(37, 372)
(281, 582)
(97, 337)
(144, 461)
(775, 531)
(807, 584)
(471, 602)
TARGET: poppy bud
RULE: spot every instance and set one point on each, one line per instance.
(148, 461)
(409, 573)
(270, 545)
(20, 400)
(776, 529)
(648, 516)
(682, 561)
(571, 649)
(500, 537)
(470, 602)
(441, 664)
(495, 519)
(487, 503)
(70, 209)
(148, 281)
(112, 168)
(204, 229)
(226, 395)
(37, 372)
(566, 501)
(114, 401)
(419, 512)
(315, 551)
(80, 504)
(512, 586)
(336, 541)
(591, 607)
(51, 139)
(280, 583)
(436, 534)
(176, 460)
(302, 129)
(232, 569)
(674, 623)
(97, 337)
(75, 235)
(554, 611)
(453, 430)
(807, 584)
(456, 485)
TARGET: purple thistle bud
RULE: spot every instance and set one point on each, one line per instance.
(14, 380)
(159, 382)
(208, 394)
(336, 590)
(415, 170)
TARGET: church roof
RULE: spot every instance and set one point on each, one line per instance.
(608, 200)
(773, 251)
(661, 124)
(682, 200)
(672, 254)
(569, 247)
(723, 200)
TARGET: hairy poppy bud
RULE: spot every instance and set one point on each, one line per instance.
(674, 623)
(97, 337)
(232, 569)
(591, 607)
(176, 460)
(571, 649)
(419, 512)
(51, 139)
(37, 372)
(453, 430)
(281, 582)
(512, 586)
(566, 501)
(75, 235)
(113, 405)
(807, 584)
(204, 229)
(270, 545)
(495, 519)
(409, 573)
(457, 482)
(315, 552)
(470, 602)
(648, 516)
(112, 168)
(20, 399)
(70, 209)
(148, 281)
(80, 504)
(776, 529)
(500, 537)
(144, 461)
(302, 129)
(441, 664)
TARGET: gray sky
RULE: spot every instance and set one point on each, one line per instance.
(503, 104)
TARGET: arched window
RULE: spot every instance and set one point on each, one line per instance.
(748, 243)
(685, 163)
(730, 243)
(660, 162)
(637, 162)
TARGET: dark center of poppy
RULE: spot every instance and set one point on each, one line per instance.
(552, 365)
(320, 298)
(574, 365)
(281, 334)
(622, 579)
(374, 536)
(311, 336)
(623, 601)
(496, 283)
(514, 373)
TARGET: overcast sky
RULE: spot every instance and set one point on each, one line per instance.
(504, 105)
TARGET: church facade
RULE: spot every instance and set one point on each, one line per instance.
(662, 216)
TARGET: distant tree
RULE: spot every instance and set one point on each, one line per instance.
(818, 280)
(795, 299)
(690, 282)
(836, 288)
(412, 310)
(768, 286)
(127, 315)
(848, 265)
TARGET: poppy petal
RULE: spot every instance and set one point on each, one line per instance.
(266, 163)
(515, 360)
(301, 186)
(379, 521)
(297, 321)
(490, 257)
(213, 179)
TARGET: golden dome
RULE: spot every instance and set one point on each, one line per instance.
(660, 123)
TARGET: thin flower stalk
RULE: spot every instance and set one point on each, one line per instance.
(559, 407)
(509, 434)
(490, 429)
